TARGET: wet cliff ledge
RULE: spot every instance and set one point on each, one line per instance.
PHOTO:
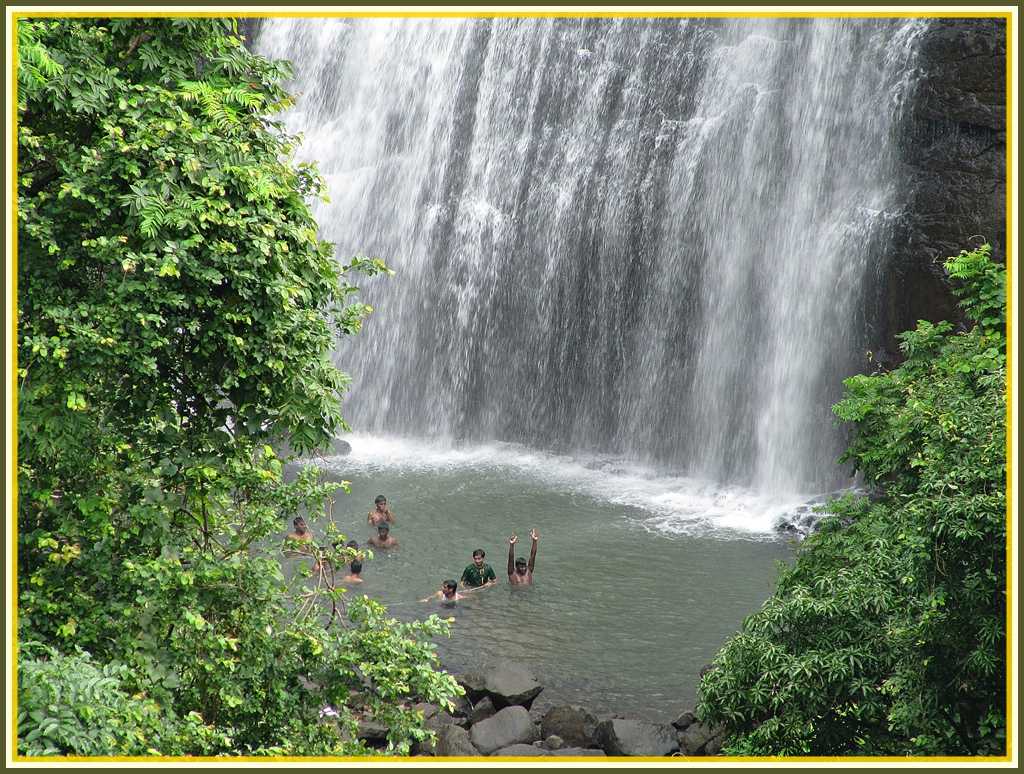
(953, 146)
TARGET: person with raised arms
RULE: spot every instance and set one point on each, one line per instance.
(520, 571)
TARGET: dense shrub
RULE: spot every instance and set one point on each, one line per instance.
(888, 635)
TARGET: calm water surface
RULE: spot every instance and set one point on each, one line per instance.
(621, 617)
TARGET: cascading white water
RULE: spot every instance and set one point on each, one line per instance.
(652, 239)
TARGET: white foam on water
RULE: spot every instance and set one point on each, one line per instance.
(669, 505)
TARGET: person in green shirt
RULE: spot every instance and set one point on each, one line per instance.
(478, 575)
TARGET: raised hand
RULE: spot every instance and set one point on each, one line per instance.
(533, 535)
(513, 540)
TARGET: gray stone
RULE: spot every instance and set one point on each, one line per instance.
(540, 706)
(371, 732)
(428, 709)
(461, 706)
(693, 740)
(619, 736)
(509, 683)
(439, 720)
(714, 745)
(473, 684)
(572, 723)
(577, 751)
(341, 448)
(554, 742)
(509, 726)
(684, 721)
(454, 741)
(482, 710)
(521, 749)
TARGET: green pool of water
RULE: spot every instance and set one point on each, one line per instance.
(624, 611)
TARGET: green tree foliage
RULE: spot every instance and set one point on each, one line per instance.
(888, 636)
(176, 316)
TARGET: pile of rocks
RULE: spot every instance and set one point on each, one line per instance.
(499, 716)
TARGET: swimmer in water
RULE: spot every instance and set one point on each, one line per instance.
(354, 572)
(448, 594)
(300, 539)
(520, 572)
(383, 537)
(478, 575)
(380, 513)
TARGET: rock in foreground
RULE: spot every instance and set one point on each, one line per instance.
(619, 736)
(510, 726)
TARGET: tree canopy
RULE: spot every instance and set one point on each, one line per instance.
(177, 312)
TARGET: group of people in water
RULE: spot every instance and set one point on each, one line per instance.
(478, 575)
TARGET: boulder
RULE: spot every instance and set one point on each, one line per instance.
(439, 720)
(540, 706)
(697, 736)
(371, 732)
(509, 726)
(554, 742)
(521, 749)
(714, 745)
(509, 683)
(574, 724)
(454, 741)
(684, 721)
(428, 709)
(482, 710)
(341, 448)
(461, 706)
(577, 751)
(618, 736)
(473, 684)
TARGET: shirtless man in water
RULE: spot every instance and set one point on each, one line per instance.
(520, 572)
(448, 593)
(300, 535)
(355, 570)
(381, 512)
(383, 539)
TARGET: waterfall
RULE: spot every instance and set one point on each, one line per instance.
(648, 238)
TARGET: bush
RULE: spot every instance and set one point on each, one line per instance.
(888, 635)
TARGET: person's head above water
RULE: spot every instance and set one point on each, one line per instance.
(448, 588)
(478, 557)
(521, 565)
(356, 567)
(383, 528)
(381, 502)
(300, 524)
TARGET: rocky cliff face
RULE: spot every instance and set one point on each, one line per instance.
(953, 145)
